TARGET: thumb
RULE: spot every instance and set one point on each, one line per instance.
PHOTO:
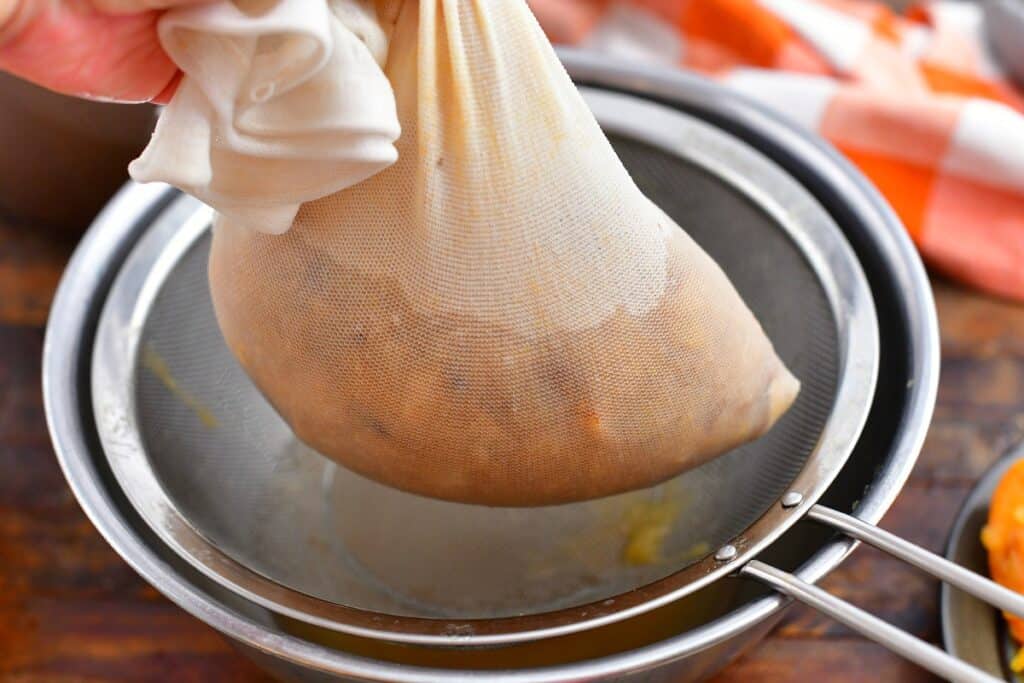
(74, 48)
(14, 15)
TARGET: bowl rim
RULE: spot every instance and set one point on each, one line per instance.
(75, 309)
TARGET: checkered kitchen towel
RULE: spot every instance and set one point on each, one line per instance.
(916, 101)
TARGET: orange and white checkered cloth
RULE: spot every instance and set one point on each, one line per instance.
(917, 102)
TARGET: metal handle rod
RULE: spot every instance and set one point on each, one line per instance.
(896, 640)
(939, 567)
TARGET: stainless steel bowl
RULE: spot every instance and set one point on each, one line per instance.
(222, 479)
(874, 475)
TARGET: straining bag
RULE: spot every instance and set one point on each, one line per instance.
(501, 317)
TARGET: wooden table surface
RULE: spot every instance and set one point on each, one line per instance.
(71, 610)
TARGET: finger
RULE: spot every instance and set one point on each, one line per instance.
(7, 11)
(58, 49)
(167, 93)
(137, 6)
(14, 15)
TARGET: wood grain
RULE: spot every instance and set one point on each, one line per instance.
(31, 262)
(71, 610)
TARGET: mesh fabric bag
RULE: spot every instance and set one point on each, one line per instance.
(500, 317)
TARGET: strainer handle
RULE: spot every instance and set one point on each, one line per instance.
(914, 649)
(939, 567)
(902, 643)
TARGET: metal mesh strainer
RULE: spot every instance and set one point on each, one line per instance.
(221, 478)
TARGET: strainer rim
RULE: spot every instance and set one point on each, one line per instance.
(858, 371)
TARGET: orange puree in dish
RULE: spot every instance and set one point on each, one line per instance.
(1003, 537)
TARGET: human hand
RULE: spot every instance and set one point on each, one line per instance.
(98, 49)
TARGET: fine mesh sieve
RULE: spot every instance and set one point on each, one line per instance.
(222, 480)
